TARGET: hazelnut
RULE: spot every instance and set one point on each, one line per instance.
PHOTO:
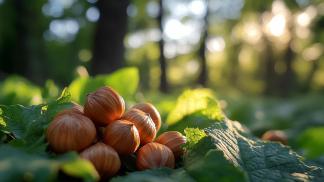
(122, 136)
(143, 123)
(104, 106)
(70, 130)
(154, 155)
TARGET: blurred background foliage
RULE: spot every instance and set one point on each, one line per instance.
(263, 59)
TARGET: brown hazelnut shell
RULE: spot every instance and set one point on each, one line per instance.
(104, 158)
(123, 136)
(143, 123)
(70, 131)
(152, 111)
(275, 135)
(77, 108)
(104, 106)
(173, 140)
(154, 155)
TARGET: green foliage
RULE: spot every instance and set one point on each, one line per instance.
(261, 114)
(24, 157)
(227, 151)
(28, 124)
(214, 166)
(193, 135)
(125, 81)
(195, 108)
(261, 160)
(311, 140)
(16, 89)
(50, 90)
(258, 159)
(156, 175)
(204, 162)
(17, 165)
(220, 151)
(79, 168)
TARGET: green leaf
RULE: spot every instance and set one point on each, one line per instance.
(2, 122)
(195, 108)
(156, 175)
(28, 124)
(16, 89)
(262, 161)
(213, 166)
(193, 136)
(203, 162)
(124, 81)
(50, 90)
(52, 108)
(80, 168)
(20, 120)
(17, 165)
(311, 140)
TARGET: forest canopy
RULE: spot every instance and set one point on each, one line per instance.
(271, 48)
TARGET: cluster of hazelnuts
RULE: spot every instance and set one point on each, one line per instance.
(102, 132)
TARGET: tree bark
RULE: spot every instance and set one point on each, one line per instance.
(108, 52)
(22, 49)
(269, 74)
(14, 55)
(287, 81)
(203, 75)
(233, 64)
(164, 85)
(310, 76)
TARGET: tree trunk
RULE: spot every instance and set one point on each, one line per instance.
(145, 67)
(233, 64)
(22, 49)
(164, 86)
(309, 78)
(108, 52)
(14, 55)
(203, 75)
(287, 81)
(21, 57)
(269, 74)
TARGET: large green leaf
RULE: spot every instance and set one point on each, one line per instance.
(262, 161)
(17, 165)
(213, 166)
(27, 125)
(125, 81)
(195, 108)
(203, 161)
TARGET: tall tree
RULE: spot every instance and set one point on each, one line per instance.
(108, 52)
(233, 48)
(233, 64)
(315, 64)
(164, 86)
(269, 65)
(286, 80)
(22, 46)
(310, 76)
(203, 75)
